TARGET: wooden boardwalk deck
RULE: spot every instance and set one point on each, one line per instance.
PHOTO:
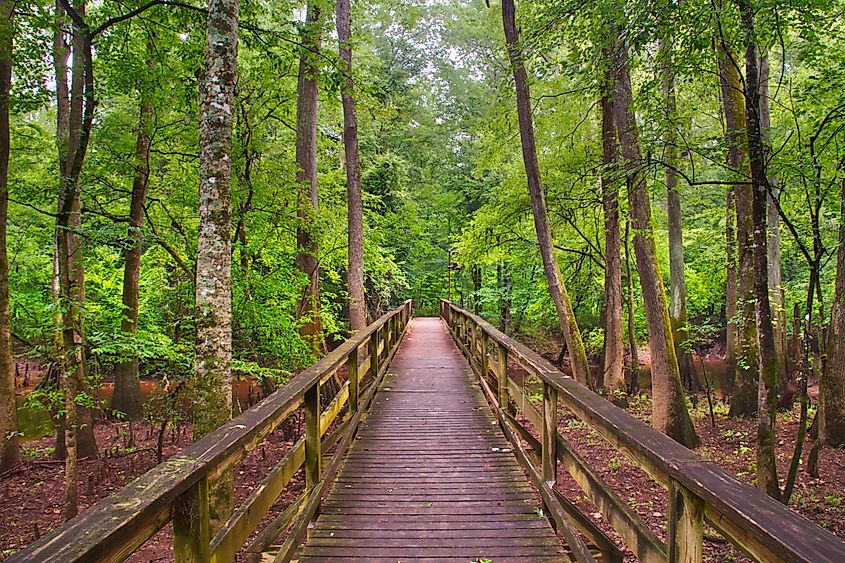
(430, 477)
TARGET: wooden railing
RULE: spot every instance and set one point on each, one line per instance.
(177, 490)
(699, 491)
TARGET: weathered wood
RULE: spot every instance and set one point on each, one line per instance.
(311, 409)
(352, 375)
(502, 375)
(760, 526)
(549, 433)
(192, 526)
(282, 522)
(374, 351)
(686, 525)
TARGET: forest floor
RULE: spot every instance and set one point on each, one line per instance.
(31, 496)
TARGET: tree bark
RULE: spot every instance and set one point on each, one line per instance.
(740, 296)
(213, 363)
(557, 289)
(308, 308)
(670, 414)
(127, 396)
(634, 374)
(677, 282)
(10, 454)
(614, 348)
(355, 213)
(832, 382)
(767, 392)
(776, 293)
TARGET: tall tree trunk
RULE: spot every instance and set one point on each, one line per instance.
(557, 290)
(213, 363)
(308, 308)
(677, 283)
(614, 348)
(634, 374)
(670, 414)
(10, 454)
(832, 381)
(767, 393)
(741, 314)
(355, 220)
(127, 396)
(730, 288)
(76, 126)
(776, 293)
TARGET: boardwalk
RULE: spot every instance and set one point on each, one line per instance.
(430, 476)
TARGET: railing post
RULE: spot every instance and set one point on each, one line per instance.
(503, 376)
(311, 404)
(686, 525)
(374, 353)
(484, 365)
(192, 525)
(352, 367)
(549, 433)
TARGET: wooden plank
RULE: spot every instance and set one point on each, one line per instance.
(686, 525)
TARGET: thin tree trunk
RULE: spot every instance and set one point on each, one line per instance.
(355, 221)
(670, 414)
(776, 293)
(614, 348)
(634, 375)
(557, 290)
(308, 308)
(767, 394)
(740, 301)
(10, 454)
(832, 381)
(677, 283)
(127, 396)
(213, 364)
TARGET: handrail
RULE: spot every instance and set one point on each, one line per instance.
(177, 489)
(760, 526)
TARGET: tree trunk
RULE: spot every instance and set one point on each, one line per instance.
(10, 454)
(127, 396)
(767, 394)
(677, 283)
(614, 349)
(670, 414)
(634, 374)
(832, 381)
(776, 293)
(557, 290)
(213, 363)
(75, 128)
(355, 221)
(308, 308)
(742, 344)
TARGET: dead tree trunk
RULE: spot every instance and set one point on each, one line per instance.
(355, 220)
(213, 363)
(557, 290)
(10, 454)
(308, 308)
(670, 414)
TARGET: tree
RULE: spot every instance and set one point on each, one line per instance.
(355, 212)
(832, 381)
(614, 349)
(670, 414)
(213, 356)
(557, 290)
(308, 309)
(127, 396)
(9, 449)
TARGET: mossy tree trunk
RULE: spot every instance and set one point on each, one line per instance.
(670, 413)
(832, 383)
(557, 289)
(213, 352)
